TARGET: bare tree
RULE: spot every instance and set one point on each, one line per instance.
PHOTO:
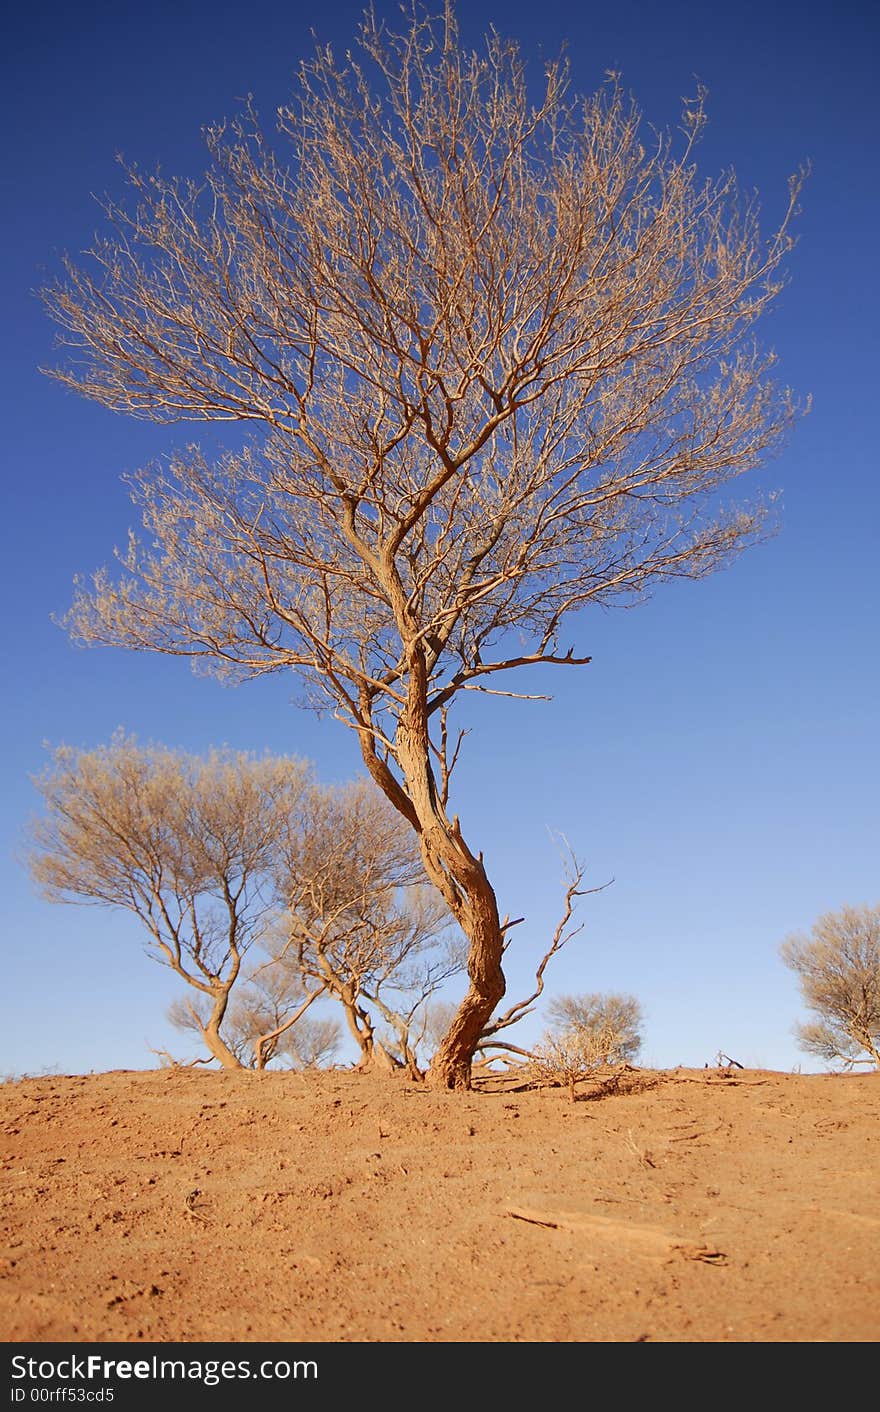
(401, 995)
(265, 1022)
(617, 1018)
(436, 1019)
(838, 966)
(360, 921)
(186, 844)
(313, 1043)
(223, 854)
(498, 360)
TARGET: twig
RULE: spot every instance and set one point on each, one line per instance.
(188, 1204)
(708, 1254)
(173, 1063)
(521, 1008)
(689, 1137)
(532, 1220)
(641, 1153)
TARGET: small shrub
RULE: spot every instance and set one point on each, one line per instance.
(576, 1054)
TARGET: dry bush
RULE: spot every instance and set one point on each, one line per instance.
(256, 1029)
(576, 1054)
(615, 1018)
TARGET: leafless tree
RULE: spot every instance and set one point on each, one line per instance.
(838, 966)
(360, 921)
(187, 844)
(313, 1043)
(497, 357)
(266, 1022)
(616, 1018)
(226, 855)
(402, 998)
(437, 1016)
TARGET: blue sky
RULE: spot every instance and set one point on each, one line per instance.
(719, 757)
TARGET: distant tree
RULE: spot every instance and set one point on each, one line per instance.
(437, 1018)
(266, 1022)
(187, 844)
(426, 1033)
(228, 854)
(313, 1043)
(360, 921)
(497, 350)
(838, 966)
(615, 1020)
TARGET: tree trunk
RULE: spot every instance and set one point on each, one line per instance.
(211, 1034)
(373, 1054)
(381, 1061)
(451, 1065)
(462, 880)
(266, 1044)
(866, 1040)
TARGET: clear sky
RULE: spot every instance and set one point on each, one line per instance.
(718, 759)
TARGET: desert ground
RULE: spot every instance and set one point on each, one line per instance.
(185, 1205)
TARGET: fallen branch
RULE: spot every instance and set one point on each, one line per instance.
(172, 1063)
(708, 1254)
(532, 1220)
(190, 1208)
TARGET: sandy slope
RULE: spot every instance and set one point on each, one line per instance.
(191, 1205)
